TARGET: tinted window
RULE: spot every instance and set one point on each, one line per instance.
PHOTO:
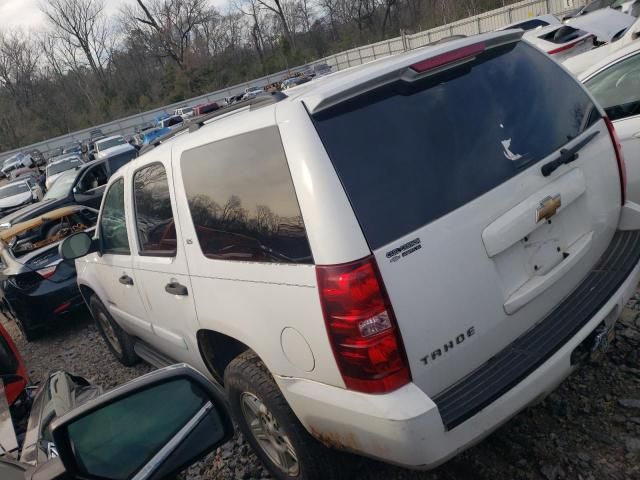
(107, 446)
(113, 225)
(13, 189)
(409, 153)
(154, 217)
(121, 159)
(617, 88)
(63, 165)
(93, 178)
(242, 200)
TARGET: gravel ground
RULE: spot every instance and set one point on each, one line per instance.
(588, 429)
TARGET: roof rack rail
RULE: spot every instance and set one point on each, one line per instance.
(192, 125)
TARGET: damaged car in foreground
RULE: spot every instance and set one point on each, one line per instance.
(76, 433)
(36, 286)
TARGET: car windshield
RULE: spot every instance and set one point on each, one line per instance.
(60, 188)
(62, 165)
(112, 142)
(13, 189)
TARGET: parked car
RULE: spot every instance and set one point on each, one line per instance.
(581, 34)
(170, 121)
(76, 433)
(56, 152)
(37, 156)
(37, 287)
(630, 7)
(615, 84)
(317, 262)
(71, 148)
(34, 174)
(589, 7)
(151, 135)
(184, 112)
(17, 194)
(321, 69)
(57, 167)
(586, 60)
(252, 92)
(96, 134)
(294, 82)
(19, 160)
(532, 23)
(161, 116)
(82, 186)
(203, 108)
(108, 143)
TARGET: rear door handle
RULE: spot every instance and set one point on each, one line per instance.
(126, 280)
(174, 288)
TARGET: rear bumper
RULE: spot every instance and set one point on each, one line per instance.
(410, 429)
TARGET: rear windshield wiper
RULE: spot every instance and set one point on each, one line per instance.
(567, 155)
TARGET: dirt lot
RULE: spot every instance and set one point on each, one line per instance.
(588, 429)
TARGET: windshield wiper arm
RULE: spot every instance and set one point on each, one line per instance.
(567, 155)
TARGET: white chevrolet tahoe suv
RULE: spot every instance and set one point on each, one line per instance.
(392, 260)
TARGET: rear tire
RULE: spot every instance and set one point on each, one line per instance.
(29, 334)
(118, 341)
(272, 429)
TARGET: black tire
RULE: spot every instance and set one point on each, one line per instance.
(246, 375)
(28, 333)
(119, 342)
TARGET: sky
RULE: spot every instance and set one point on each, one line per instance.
(26, 13)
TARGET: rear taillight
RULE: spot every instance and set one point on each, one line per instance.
(47, 271)
(362, 327)
(622, 169)
(449, 57)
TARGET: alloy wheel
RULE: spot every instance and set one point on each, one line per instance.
(265, 429)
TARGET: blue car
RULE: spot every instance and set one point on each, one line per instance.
(150, 135)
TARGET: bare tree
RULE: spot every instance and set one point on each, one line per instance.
(82, 27)
(18, 66)
(169, 25)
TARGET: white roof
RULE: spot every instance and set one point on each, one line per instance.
(113, 137)
(615, 56)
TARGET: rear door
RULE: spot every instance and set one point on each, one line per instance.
(617, 90)
(474, 242)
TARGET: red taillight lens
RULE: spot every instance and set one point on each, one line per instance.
(622, 168)
(362, 327)
(47, 271)
(449, 57)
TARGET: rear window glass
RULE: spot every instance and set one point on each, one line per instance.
(409, 153)
(242, 200)
(563, 34)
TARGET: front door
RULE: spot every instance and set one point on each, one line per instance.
(90, 186)
(160, 265)
(114, 266)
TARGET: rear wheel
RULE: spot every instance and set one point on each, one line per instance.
(119, 342)
(29, 334)
(270, 426)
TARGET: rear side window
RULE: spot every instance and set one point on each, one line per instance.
(154, 216)
(121, 159)
(242, 200)
(409, 153)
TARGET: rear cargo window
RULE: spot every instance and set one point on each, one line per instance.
(409, 153)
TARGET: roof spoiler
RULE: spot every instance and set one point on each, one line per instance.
(429, 66)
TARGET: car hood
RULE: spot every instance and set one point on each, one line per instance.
(109, 152)
(52, 178)
(15, 200)
(33, 210)
(604, 23)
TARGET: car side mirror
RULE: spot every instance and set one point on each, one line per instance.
(148, 429)
(76, 246)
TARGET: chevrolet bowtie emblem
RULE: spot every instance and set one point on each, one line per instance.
(548, 207)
